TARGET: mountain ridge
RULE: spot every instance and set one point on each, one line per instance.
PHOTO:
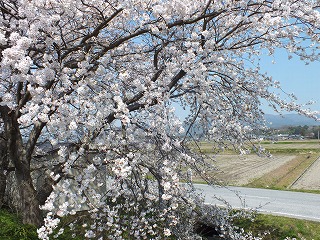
(290, 119)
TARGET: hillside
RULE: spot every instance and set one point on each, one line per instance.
(276, 121)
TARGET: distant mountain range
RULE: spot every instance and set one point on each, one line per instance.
(276, 121)
(272, 121)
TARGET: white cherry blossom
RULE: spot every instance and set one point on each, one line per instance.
(88, 92)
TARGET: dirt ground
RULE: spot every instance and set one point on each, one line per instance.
(310, 179)
(240, 170)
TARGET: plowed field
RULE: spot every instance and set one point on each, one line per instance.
(294, 165)
(310, 180)
(241, 170)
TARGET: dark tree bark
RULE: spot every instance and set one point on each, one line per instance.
(29, 206)
(44, 189)
(3, 169)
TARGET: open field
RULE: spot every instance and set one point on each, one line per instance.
(294, 165)
(310, 179)
(285, 175)
(283, 147)
(286, 147)
(241, 170)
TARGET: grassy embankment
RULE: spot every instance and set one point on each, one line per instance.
(278, 228)
(281, 227)
(11, 228)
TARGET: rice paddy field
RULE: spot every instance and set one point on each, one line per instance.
(293, 165)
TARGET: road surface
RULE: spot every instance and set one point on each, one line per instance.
(283, 203)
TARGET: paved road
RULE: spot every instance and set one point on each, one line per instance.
(284, 203)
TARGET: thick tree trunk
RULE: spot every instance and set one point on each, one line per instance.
(44, 188)
(3, 169)
(3, 185)
(3, 182)
(28, 206)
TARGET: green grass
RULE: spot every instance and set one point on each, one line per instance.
(281, 227)
(304, 190)
(292, 147)
(292, 142)
(278, 228)
(12, 229)
(280, 147)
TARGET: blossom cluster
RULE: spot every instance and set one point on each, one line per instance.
(95, 91)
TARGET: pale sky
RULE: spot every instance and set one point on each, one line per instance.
(295, 77)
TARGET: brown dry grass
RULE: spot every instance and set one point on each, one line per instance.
(240, 170)
(286, 174)
(290, 160)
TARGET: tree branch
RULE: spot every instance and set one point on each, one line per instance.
(102, 25)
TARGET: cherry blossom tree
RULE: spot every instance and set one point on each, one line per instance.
(88, 91)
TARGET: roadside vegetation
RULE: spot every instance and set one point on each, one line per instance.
(280, 227)
(11, 228)
(277, 227)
